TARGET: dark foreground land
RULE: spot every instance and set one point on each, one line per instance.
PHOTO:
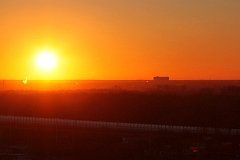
(205, 107)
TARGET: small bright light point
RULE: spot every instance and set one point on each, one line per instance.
(46, 61)
(25, 81)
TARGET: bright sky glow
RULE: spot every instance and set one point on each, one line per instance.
(120, 39)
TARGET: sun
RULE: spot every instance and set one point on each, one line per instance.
(46, 61)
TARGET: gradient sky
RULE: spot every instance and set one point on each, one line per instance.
(121, 39)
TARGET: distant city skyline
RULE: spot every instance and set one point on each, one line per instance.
(120, 39)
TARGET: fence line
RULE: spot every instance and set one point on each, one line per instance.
(57, 122)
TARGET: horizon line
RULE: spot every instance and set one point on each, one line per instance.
(120, 80)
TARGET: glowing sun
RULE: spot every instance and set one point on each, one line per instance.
(46, 61)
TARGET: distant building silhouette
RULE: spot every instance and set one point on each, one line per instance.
(157, 78)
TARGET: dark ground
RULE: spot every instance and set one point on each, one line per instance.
(199, 109)
(205, 108)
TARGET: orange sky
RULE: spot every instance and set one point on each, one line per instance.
(121, 39)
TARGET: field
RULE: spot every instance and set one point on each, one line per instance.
(197, 104)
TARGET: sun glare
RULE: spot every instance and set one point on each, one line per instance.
(46, 61)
